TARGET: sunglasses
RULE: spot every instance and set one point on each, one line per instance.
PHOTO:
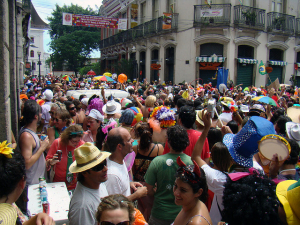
(72, 108)
(99, 167)
(110, 223)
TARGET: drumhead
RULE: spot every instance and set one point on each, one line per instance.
(269, 147)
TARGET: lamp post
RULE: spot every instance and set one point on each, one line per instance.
(39, 63)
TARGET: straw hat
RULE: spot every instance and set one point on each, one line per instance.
(199, 116)
(8, 214)
(294, 113)
(86, 157)
(293, 131)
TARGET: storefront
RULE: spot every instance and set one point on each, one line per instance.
(277, 63)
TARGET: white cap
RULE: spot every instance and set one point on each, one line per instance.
(94, 113)
(48, 95)
(85, 101)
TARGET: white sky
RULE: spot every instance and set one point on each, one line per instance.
(45, 7)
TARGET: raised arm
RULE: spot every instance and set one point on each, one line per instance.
(196, 155)
(137, 101)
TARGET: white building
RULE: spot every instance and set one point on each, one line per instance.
(204, 37)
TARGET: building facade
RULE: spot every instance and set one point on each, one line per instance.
(206, 36)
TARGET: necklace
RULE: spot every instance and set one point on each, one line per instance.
(69, 154)
(286, 170)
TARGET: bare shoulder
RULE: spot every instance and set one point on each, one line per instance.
(26, 137)
(198, 220)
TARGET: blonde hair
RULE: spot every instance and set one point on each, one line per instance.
(150, 100)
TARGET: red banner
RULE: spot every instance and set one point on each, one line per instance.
(94, 21)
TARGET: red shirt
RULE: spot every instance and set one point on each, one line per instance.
(61, 167)
(193, 137)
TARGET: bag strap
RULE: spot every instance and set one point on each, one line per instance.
(143, 161)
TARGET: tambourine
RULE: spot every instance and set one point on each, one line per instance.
(274, 144)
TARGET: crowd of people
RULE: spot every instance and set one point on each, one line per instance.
(166, 154)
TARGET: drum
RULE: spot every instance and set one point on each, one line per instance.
(272, 144)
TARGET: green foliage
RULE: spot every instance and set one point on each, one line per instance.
(94, 66)
(71, 45)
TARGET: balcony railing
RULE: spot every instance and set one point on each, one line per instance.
(281, 23)
(297, 27)
(249, 17)
(147, 29)
(212, 16)
(26, 4)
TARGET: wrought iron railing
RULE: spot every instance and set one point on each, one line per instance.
(212, 16)
(297, 32)
(249, 17)
(26, 4)
(280, 23)
(147, 29)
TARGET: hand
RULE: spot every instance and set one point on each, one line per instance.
(135, 185)
(134, 97)
(54, 160)
(142, 192)
(102, 92)
(274, 167)
(43, 218)
(206, 118)
(44, 143)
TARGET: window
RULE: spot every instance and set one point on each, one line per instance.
(143, 11)
(31, 40)
(171, 6)
(277, 6)
(31, 53)
(247, 2)
(155, 4)
(33, 66)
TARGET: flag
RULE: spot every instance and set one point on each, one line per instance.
(262, 68)
(208, 2)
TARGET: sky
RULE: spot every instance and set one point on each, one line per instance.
(45, 7)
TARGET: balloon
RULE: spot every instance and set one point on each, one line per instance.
(122, 78)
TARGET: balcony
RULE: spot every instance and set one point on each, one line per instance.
(214, 16)
(249, 17)
(148, 29)
(280, 23)
(297, 27)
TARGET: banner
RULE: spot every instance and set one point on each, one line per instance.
(167, 21)
(67, 19)
(134, 15)
(262, 68)
(211, 12)
(122, 25)
(92, 21)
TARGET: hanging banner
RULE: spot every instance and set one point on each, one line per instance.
(122, 25)
(134, 15)
(91, 21)
(167, 21)
(211, 12)
(209, 66)
(67, 19)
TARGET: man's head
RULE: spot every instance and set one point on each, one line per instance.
(90, 164)
(119, 142)
(187, 116)
(70, 107)
(31, 112)
(178, 138)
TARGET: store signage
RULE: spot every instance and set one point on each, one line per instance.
(209, 66)
(155, 66)
(211, 12)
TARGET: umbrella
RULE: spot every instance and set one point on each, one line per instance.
(265, 99)
(67, 78)
(107, 74)
(91, 72)
(103, 78)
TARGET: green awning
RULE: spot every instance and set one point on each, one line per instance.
(210, 59)
(278, 63)
(247, 61)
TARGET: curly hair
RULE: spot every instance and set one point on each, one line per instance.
(12, 170)
(178, 138)
(66, 135)
(194, 180)
(64, 115)
(143, 131)
(250, 200)
(187, 115)
(113, 202)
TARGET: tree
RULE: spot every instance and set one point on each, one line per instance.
(94, 66)
(72, 45)
(125, 66)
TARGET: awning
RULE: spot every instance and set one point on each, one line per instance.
(278, 63)
(210, 59)
(247, 61)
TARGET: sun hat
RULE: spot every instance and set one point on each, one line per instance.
(111, 107)
(48, 95)
(294, 113)
(125, 101)
(288, 193)
(244, 108)
(8, 214)
(85, 101)
(86, 157)
(293, 131)
(94, 113)
(243, 145)
(199, 116)
(256, 110)
(127, 117)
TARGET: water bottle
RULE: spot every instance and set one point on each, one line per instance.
(44, 195)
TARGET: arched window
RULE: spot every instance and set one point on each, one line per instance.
(31, 53)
